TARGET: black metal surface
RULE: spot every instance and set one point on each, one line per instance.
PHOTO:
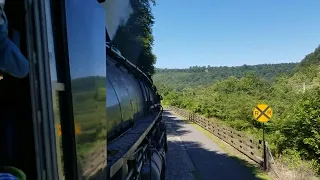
(123, 143)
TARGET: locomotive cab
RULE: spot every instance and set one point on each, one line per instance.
(84, 111)
(16, 122)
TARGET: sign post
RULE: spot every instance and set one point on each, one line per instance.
(263, 113)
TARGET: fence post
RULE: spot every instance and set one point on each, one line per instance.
(267, 157)
(192, 116)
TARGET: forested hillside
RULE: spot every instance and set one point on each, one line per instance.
(195, 76)
(230, 95)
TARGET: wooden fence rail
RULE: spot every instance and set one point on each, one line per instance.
(252, 148)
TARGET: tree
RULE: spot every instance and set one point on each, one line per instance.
(305, 126)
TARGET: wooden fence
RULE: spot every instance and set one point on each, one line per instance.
(252, 148)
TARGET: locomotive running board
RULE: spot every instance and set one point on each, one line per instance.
(127, 144)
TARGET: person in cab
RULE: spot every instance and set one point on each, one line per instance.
(12, 60)
(12, 63)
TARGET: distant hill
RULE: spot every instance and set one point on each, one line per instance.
(196, 75)
(310, 59)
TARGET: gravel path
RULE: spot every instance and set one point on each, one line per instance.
(192, 155)
(179, 164)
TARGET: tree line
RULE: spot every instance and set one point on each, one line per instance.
(206, 75)
(292, 90)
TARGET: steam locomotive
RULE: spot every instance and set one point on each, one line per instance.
(84, 111)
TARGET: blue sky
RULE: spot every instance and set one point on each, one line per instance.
(85, 28)
(233, 32)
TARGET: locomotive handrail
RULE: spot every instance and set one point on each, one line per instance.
(140, 130)
(127, 63)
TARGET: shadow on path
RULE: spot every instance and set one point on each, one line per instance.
(209, 160)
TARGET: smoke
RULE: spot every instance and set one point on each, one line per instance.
(117, 13)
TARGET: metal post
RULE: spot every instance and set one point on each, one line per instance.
(264, 150)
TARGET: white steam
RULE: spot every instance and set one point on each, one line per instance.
(117, 13)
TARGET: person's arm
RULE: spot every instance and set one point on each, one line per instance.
(2, 2)
(12, 61)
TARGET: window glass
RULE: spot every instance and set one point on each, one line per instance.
(87, 57)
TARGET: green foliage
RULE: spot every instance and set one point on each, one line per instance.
(229, 94)
(305, 126)
(134, 39)
(100, 94)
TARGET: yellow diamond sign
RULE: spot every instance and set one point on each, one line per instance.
(262, 113)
